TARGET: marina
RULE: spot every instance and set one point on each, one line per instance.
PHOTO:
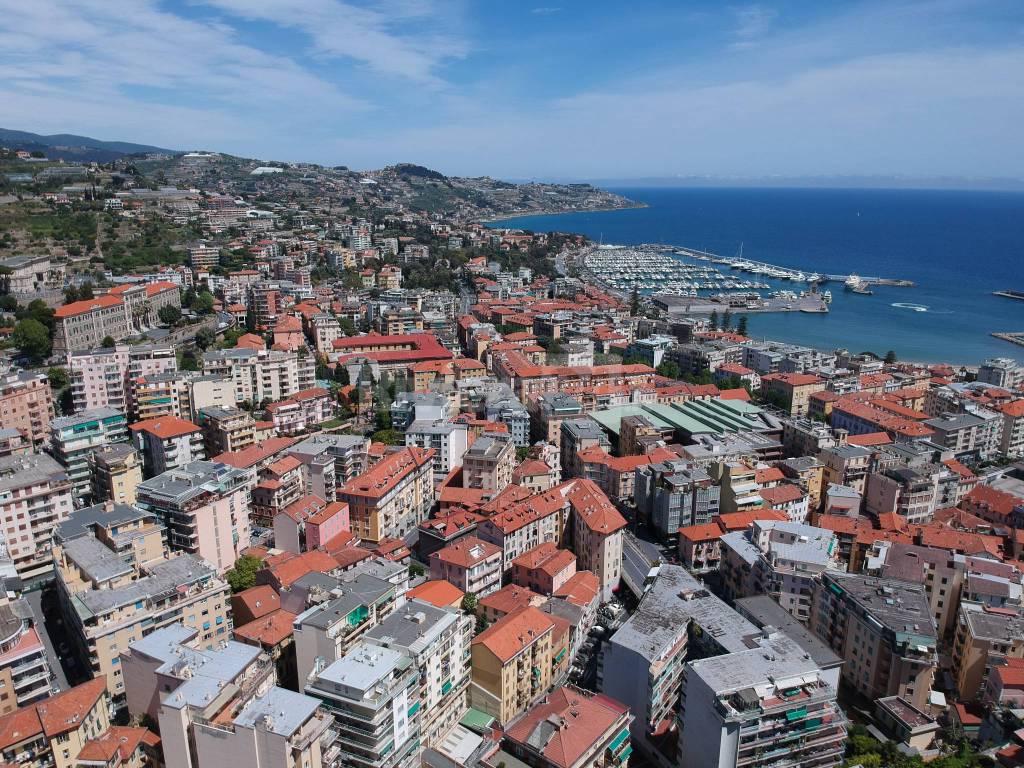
(1014, 337)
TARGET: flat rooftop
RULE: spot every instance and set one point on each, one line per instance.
(763, 611)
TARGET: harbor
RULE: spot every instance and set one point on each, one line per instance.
(1014, 337)
(685, 280)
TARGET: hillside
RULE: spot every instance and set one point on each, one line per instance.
(68, 146)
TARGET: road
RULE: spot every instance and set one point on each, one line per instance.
(47, 614)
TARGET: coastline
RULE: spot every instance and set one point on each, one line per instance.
(562, 211)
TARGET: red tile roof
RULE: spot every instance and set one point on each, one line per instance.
(580, 589)
(268, 630)
(89, 305)
(383, 476)
(166, 427)
(257, 601)
(252, 456)
(54, 715)
(467, 552)
(436, 592)
(512, 633)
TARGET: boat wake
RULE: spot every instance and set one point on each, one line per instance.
(908, 305)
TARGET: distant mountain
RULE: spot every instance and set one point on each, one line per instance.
(67, 146)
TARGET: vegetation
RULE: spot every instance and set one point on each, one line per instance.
(669, 369)
(741, 325)
(243, 575)
(863, 749)
(416, 570)
(58, 378)
(169, 315)
(32, 338)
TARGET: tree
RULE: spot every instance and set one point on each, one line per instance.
(669, 369)
(416, 570)
(169, 315)
(205, 338)
(469, 603)
(341, 374)
(188, 361)
(33, 339)
(890, 357)
(8, 303)
(634, 302)
(243, 575)
(204, 303)
(58, 378)
(741, 326)
(727, 320)
(387, 436)
(713, 320)
(108, 341)
(85, 292)
(71, 295)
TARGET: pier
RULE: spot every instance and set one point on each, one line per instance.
(1014, 337)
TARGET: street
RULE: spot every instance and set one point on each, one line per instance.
(46, 611)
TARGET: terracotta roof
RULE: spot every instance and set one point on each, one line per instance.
(703, 532)
(580, 589)
(287, 571)
(383, 476)
(325, 514)
(782, 494)
(566, 725)
(792, 379)
(998, 503)
(546, 557)
(284, 465)
(349, 555)
(268, 630)
(512, 633)
(869, 439)
(449, 525)
(467, 552)
(166, 427)
(594, 509)
(118, 740)
(1014, 409)
(258, 601)
(88, 305)
(249, 457)
(769, 475)
(436, 592)
(54, 715)
(531, 468)
(305, 508)
(740, 521)
(511, 598)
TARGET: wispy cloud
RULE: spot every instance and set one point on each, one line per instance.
(751, 23)
(409, 39)
(544, 10)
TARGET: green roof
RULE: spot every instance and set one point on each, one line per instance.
(476, 720)
(694, 417)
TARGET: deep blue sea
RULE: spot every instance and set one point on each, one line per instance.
(957, 246)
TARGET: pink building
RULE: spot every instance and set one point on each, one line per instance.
(309, 523)
(100, 378)
(471, 564)
(288, 333)
(302, 410)
(326, 524)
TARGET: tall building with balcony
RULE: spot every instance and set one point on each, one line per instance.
(471, 564)
(393, 497)
(512, 663)
(26, 404)
(437, 640)
(74, 438)
(100, 378)
(488, 464)
(374, 695)
(260, 375)
(167, 443)
(205, 507)
(35, 495)
(116, 473)
(675, 494)
(25, 675)
(765, 706)
(329, 461)
(884, 631)
(116, 584)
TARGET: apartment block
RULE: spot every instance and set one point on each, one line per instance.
(25, 675)
(597, 530)
(512, 663)
(544, 569)
(471, 564)
(674, 495)
(325, 631)
(373, 694)
(167, 443)
(309, 523)
(85, 324)
(117, 584)
(793, 390)
(302, 410)
(329, 461)
(883, 629)
(51, 734)
(437, 639)
(101, 377)
(205, 507)
(116, 473)
(226, 429)
(74, 438)
(35, 495)
(26, 404)
(985, 638)
(262, 375)
(393, 497)
(572, 728)
(489, 464)
(448, 440)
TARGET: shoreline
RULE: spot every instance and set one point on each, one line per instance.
(565, 211)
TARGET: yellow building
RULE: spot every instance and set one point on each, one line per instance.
(116, 473)
(393, 497)
(512, 661)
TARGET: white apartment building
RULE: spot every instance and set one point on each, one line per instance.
(100, 377)
(260, 375)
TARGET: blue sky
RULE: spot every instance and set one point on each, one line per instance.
(548, 89)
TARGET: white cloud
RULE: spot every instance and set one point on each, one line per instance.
(752, 23)
(545, 10)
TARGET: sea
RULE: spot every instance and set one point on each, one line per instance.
(957, 246)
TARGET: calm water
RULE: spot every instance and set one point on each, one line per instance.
(957, 246)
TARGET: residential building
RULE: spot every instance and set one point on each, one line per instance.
(52, 733)
(883, 629)
(116, 584)
(227, 429)
(280, 485)
(1012, 440)
(597, 530)
(25, 675)
(309, 523)
(116, 473)
(985, 638)
(471, 564)
(392, 497)
(262, 375)
(448, 440)
(512, 663)
(571, 728)
(442, 530)
(1001, 372)
(488, 464)
(548, 411)
(101, 377)
(339, 616)
(74, 438)
(372, 692)
(13, 442)
(793, 390)
(203, 255)
(168, 443)
(577, 435)
(675, 494)
(544, 569)
(302, 411)
(329, 461)
(35, 495)
(26, 404)
(85, 324)
(205, 507)
(437, 640)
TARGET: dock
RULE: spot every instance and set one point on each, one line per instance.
(1014, 337)
(1008, 294)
